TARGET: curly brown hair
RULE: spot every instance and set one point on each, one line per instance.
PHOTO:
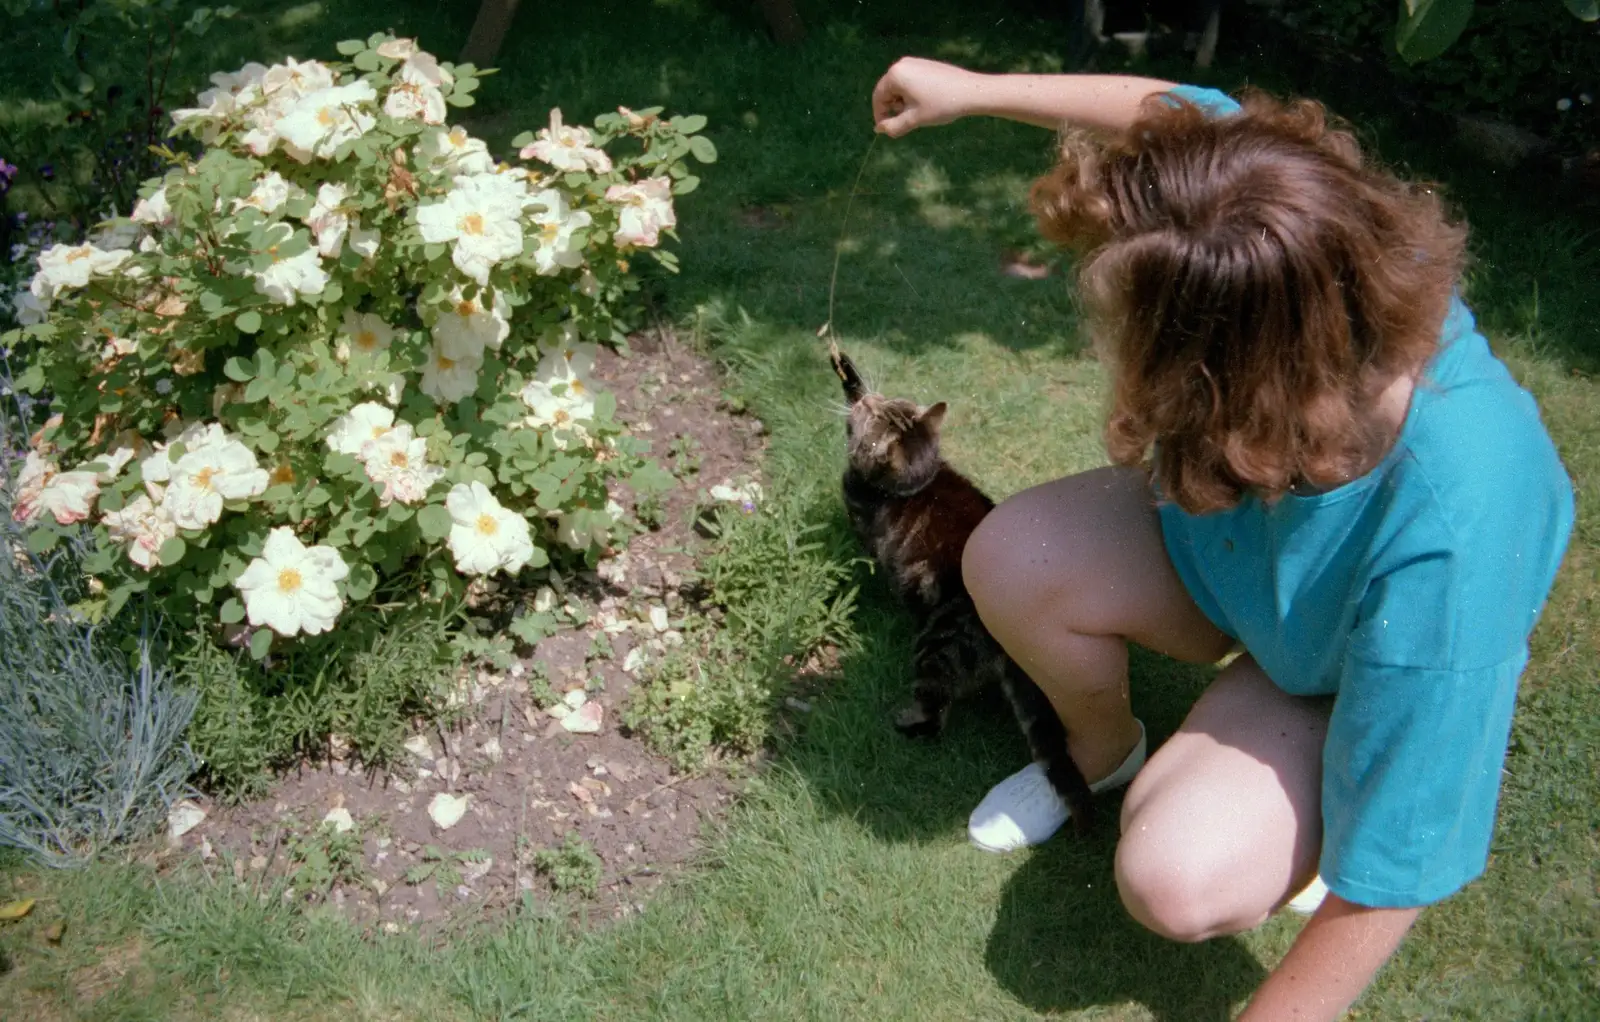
(1255, 282)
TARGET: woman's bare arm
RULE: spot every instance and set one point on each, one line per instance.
(918, 93)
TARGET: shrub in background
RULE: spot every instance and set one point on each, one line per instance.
(1532, 64)
(333, 370)
(344, 352)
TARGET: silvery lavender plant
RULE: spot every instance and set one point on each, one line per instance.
(91, 729)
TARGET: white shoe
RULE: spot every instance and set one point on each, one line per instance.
(1310, 899)
(1025, 810)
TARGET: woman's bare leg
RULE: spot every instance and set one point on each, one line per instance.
(1064, 575)
(1223, 825)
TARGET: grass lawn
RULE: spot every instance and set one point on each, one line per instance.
(843, 886)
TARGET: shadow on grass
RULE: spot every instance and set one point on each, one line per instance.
(1062, 941)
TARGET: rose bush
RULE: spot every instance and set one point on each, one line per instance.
(340, 354)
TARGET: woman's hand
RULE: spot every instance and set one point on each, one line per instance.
(918, 93)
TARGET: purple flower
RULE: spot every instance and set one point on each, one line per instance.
(7, 170)
(48, 171)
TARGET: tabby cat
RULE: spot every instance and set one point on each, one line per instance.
(913, 513)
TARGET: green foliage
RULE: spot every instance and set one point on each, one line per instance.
(325, 857)
(365, 687)
(443, 867)
(784, 589)
(572, 866)
(1516, 61)
(1428, 28)
(86, 143)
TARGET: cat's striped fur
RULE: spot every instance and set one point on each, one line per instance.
(913, 512)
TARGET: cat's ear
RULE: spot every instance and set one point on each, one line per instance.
(933, 417)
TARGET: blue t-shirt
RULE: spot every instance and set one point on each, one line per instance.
(1408, 595)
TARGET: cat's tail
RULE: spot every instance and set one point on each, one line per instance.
(853, 387)
(1047, 740)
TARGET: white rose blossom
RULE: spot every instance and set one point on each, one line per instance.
(144, 526)
(484, 536)
(328, 223)
(397, 463)
(455, 150)
(449, 378)
(556, 224)
(292, 588)
(64, 267)
(646, 211)
(397, 49)
(364, 333)
(155, 211)
(290, 277)
(572, 357)
(566, 148)
(320, 122)
(360, 426)
(481, 218)
(559, 402)
(472, 325)
(222, 100)
(415, 93)
(208, 475)
(267, 102)
(68, 497)
(269, 194)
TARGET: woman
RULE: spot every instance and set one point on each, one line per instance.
(1319, 466)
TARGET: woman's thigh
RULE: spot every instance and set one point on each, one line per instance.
(1085, 555)
(1223, 824)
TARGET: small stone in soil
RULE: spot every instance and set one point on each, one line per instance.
(491, 750)
(341, 820)
(585, 720)
(420, 747)
(575, 698)
(658, 618)
(446, 810)
(184, 817)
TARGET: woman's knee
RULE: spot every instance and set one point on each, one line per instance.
(1026, 554)
(1176, 890)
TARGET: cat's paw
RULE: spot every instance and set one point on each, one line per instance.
(915, 722)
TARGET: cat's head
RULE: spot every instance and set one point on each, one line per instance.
(894, 443)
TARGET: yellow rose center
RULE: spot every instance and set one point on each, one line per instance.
(445, 363)
(203, 477)
(561, 417)
(472, 223)
(466, 308)
(549, 232)
(80, 253)
(366, 340)
(399, 459)
(289, 580)
(283, 474)
(576, 388)
(378, 431)
(458, 137)
(487, 525)
(325, 117)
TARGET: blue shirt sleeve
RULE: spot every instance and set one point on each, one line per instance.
(1212, 101)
